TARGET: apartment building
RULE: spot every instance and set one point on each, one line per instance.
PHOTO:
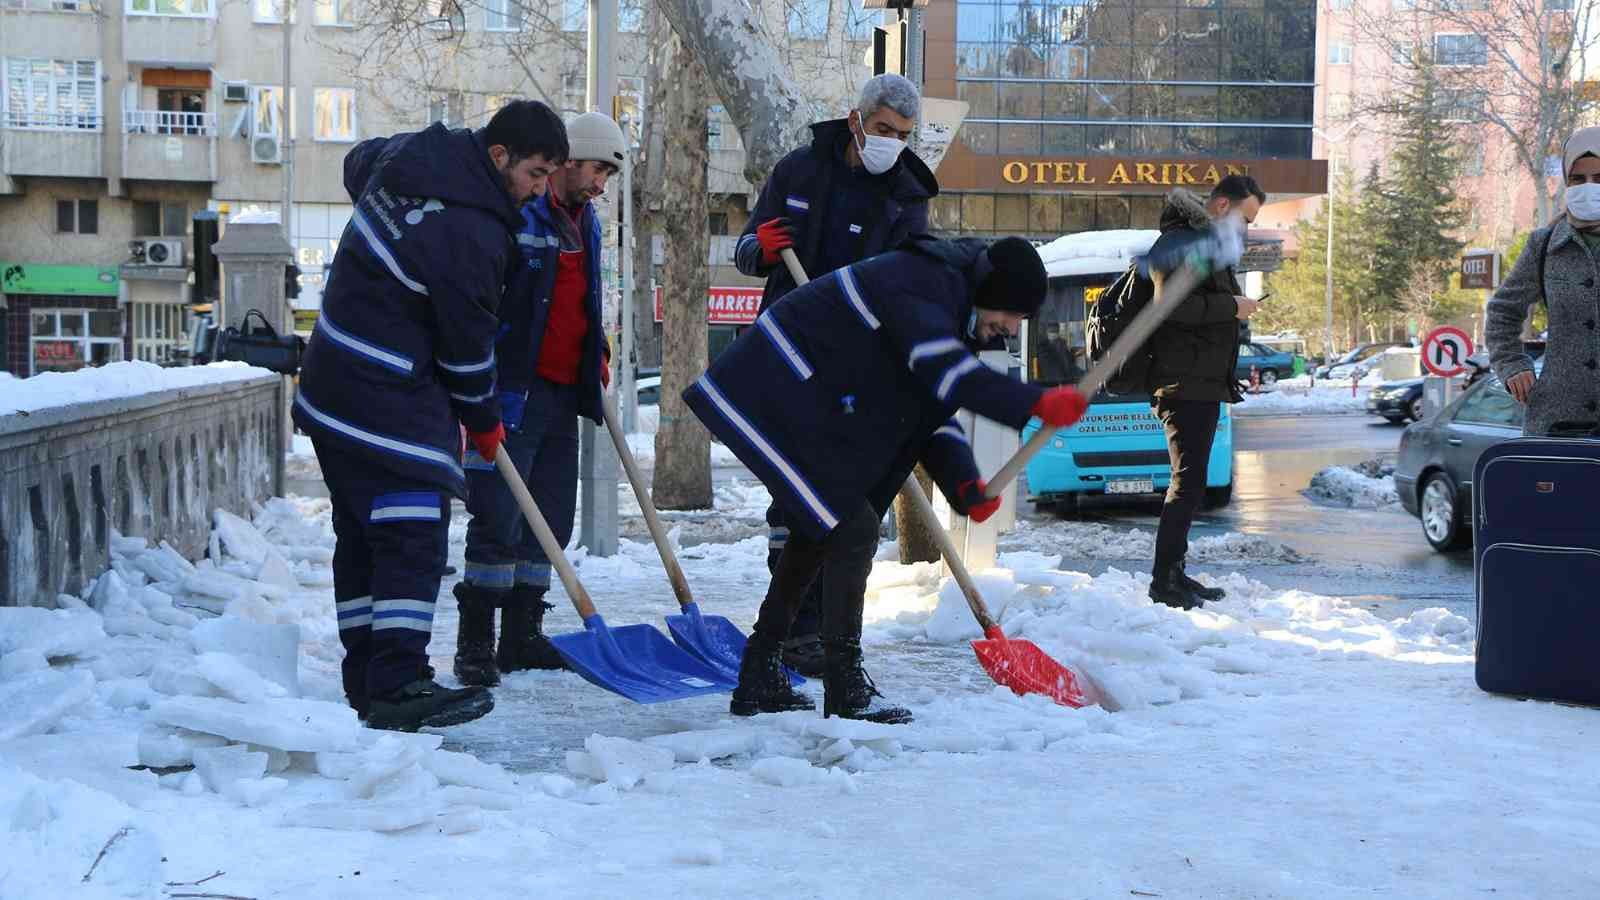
(121, 122)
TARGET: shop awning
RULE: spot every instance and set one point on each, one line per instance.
(78, 281)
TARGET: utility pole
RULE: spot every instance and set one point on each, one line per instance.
(598, 463)
(286, 125)
(1327, 292)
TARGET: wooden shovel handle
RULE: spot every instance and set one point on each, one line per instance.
(913, 492)
(541, 530)
(680, 584)
(796, 271)
(1169, 294)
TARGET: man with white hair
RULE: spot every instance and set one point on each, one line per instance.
(855, 191)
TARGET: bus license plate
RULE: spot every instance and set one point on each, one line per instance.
(1130, 486)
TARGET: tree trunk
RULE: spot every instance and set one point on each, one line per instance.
(748, 75)
(916, 538)
(682, 478)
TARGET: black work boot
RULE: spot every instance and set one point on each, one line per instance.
(522, 641)
(1198, 589)
(1165, 587)
(803, 653)
(847, 690)
(424, 703)
(763, 686)
(474, 663)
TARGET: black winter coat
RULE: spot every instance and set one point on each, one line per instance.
(846, 383)
(1194, 352)
(804, 186)
(404, 345)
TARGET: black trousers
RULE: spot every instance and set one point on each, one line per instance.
(838, 565)
(1191, 426)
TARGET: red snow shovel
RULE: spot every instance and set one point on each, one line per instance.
(1019, 665)
(713, 640)
(635, 661)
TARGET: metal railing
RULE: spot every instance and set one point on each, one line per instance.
(150, 121)
(44, 121)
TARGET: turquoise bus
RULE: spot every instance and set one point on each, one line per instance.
(1118, 448)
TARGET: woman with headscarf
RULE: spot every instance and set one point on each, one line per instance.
(1561, 266)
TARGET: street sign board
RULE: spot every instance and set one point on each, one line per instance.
(1480, 269)
(1445, 351)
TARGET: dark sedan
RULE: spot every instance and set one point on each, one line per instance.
(1397, 401)
(1434, 473)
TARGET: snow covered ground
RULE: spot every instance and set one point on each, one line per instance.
(1274, 744)
(1366, 486)
(113, 381)
(1296, 396)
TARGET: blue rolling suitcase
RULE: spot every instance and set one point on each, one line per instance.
(1536, 533)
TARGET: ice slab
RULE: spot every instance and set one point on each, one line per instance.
(52, 633)
(272, 651)
(285, 723)
(622, 762)
(362, 815)
(717, 743)
(235, 679)
(35, 702)
(222, 766)
(162, 748)
(240, 539)
(468, 771)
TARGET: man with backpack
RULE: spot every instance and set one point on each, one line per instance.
(1191, 363)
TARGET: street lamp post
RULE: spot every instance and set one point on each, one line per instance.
(1327, 288)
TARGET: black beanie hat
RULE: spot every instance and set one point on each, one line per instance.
(1011, 277)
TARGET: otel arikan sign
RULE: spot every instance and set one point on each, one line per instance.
(1110, 171)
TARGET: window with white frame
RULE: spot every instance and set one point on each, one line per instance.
(808, 19)
(78, 216)
(154, 218)
(1461, 105)
(714, 128)
(1339, 5)
(335, 112)
(574, 93)
(268, 11)
(334, 13)
(1463, 5)
(52, 94)
(63, 340)
(266, 111)
(445, 15)
(859, 21)
(1338, 54)
(447, 107)
(158, 331)
(193, 8)
(574, 15)
(502, 15)
(1403, 53)
(1472, 159)
(1460, 50)
(630, 16)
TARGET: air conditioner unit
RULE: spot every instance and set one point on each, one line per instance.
(236, 92)
(163, 253)
(266, 149)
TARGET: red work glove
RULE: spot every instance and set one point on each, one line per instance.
(979, 507)
(1061, 407)
(488, 442)
(774, 235)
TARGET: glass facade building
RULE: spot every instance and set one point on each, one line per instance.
(1224, 82)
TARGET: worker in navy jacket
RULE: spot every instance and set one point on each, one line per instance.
(553, 367)
(853, 192)
(401, 358)
(840, 389)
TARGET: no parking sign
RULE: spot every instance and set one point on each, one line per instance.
(1445, 351)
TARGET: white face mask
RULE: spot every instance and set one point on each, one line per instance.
(879, 154)
(1583, 201)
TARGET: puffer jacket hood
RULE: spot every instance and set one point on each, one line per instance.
(1184, 209)
(452, 166)
(913, 180)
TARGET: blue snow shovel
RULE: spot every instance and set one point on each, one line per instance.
(713, 640)
(636, 661)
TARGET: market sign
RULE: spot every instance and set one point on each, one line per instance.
(57, 356)
(727, 305)
(1480, 269)
(75, 281)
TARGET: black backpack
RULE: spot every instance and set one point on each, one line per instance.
(1104, 322)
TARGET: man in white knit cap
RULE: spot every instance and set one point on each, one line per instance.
(553, 364)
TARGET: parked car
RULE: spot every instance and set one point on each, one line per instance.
(1397, 401)
(1270, 364)
(1341, 367)
(1433, 475)
(648, 390)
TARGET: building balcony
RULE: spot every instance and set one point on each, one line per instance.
(181, 41)
(169, 146)
(51, 146)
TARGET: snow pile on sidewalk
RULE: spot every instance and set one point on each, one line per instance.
(1296, 396)
(114, 381)
(643, 447)
(1369, 485)
(1096, 540)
